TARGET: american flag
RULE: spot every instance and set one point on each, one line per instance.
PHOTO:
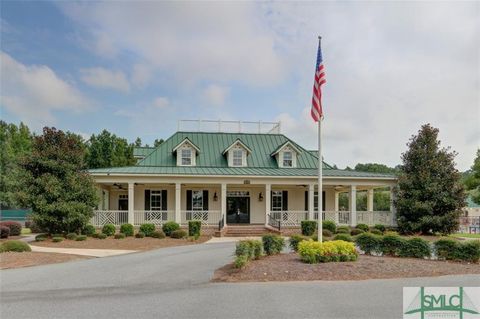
(317, 112)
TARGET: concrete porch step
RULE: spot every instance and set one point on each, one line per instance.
(247, 230)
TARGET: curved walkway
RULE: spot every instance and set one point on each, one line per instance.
(174, 283)
(82, 251)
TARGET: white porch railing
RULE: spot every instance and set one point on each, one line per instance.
(375, 217)
(207, 217)
(294, 218)
(157, 217)
(116, 217)
(289, 217)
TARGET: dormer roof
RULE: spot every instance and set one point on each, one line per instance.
(185, 140)
(282, 146)
(237, 141)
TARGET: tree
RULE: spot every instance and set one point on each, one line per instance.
(375, 168)
(429, 193)
(138, 142)
(15, 143)
(61, 194)
(157, 142)
(472, 179)
(108, 150)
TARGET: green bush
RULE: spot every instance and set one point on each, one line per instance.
(158, 234)
(356, 231)
(102, 236)
(89, 230)
(179, 233)
(81, 238)
(315, 252)
(415, 248)
(127, 229)
(363, 227)
(241, 261)
(4, 232)
(108, 229)
(308, 227)
(58, 235)
(326, 233)
(343, 230)
(344, 237)
(57, 239)
(14, 245)
(392, 244)
(445, 248)
(71, 236)
(147, 229)
(380, 227)
(369, 243)
(250, 248)
(41, 237)
(170, 227)
(95, 235)
(119, 236)
(140, 235)
(194, 227)
(15, 227)
(295, 240)
(468, 251)
(272, 244)
(330, 225)
(376, 232)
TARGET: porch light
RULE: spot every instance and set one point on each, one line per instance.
(215, 197)
(260, 197)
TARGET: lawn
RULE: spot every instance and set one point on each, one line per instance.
(466, 235)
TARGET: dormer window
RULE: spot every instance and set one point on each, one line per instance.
(186, 157)
(186, 153)
(287, 159)
(237, 153)
(286, 155)
(237, 157)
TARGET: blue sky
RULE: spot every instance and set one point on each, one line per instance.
(137, 68)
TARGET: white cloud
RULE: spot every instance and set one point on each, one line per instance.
(141, 75)
(104, 78)
(215, 94)
(33, 93)
(161, 102)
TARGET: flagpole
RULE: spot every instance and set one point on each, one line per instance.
(320, 173)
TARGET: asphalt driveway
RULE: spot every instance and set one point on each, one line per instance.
(174, 283)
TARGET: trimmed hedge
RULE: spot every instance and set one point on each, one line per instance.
(170, 227)
(81, 238)
(15, 227)
(356, 231)
(295, 240)
(89, 230)
(4, 232)
(313, 252)
(363, 227)
(445, 248)
(380, 227)
(140, 235)
(369, 243)
(71, 236)
(179, 233)
(194, 227)
(41, 237)
(147, 229)
(272, 244)
(158, 234)
(127, 229)
(308, 227)
(120, 236)
(108, 229)
(57, 239)
(415, 248)
(376, 232)
(468, 251)
(344, 237)
(247, 250)
(14, 245)
(343, 230)
(326, 233)
(330, 225)
(102, 236)
(392, 244)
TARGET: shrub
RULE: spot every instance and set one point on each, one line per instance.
(194, 227)
(95, 235)
(416, 248)
(4, 231)
(445, 248)
(71, 236)
(376, 232)
(343, 230)
(15, 227)
(57, 239)
(34, 228)
(369, 243)
(147, 229)
(81, 238)
(241, 261)
(89, 230)
(119, 236)
(127, 229)
(14, 245)
(468, 251)
(58, 235)
(41, 237)
(363, 227)
(102, 236)
(380, 227)
(140, 235)
(170, 227)
(295, 240)
(250, 248)
(356, 231)
(392, 244)
(308, 227)
(344, 237)
(315, 252)
(158, 234)
(179, 233)
(272, 244)
(326, 233)
(108, 229)
(330, 225)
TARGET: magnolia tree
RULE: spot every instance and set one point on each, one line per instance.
(429, 193)
(54, 184)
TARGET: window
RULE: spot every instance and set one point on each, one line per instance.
(287, 159)
(156, 200)
(197, 200)
(186, 156)
(277, 200)
(237, 158)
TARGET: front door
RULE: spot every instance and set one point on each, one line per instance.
(238, 210)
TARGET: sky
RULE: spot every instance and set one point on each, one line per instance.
(136, 68)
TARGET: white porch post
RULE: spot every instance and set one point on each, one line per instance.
(336, 206)
(223, 199)
(131, 204)
(370, 200)
(393, 209)
(178, 202)
(311, 195)
(353, 205)
(268, 192)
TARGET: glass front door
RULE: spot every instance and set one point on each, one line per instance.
(238, 210)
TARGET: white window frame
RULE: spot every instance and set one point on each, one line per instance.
(156, 193)
(277, 195)
(286, 160)
(185, 157)
(237, 155)
(193, 200)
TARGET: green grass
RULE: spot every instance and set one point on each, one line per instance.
(467, 235)
(26, 231)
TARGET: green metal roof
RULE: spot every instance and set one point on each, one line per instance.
(471, 203)
(142, 151)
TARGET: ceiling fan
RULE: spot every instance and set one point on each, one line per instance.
(119, 186)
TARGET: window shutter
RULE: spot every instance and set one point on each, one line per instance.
(306, 200)
(284, 200)
(205, 200)
(189, 200)
(164, 199)
(323, 201)
(271, 201)
(147, 199)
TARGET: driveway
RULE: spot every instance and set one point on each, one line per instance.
(174, 283)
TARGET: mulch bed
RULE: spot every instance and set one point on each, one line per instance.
(129, 243)
(26, 259)
(288, 267)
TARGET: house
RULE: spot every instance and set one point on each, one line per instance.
(227, 179)
(470, 221)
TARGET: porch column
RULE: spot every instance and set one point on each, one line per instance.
(268, 193)
(131, 206)
(223, 200)
(370, 200)
(352, 203)
(336, 205)
(311, 195)
(393, 209)
(178, 201)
